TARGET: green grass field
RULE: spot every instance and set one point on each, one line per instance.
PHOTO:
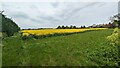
(69, 50)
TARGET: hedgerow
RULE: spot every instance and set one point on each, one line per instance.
(109, 55)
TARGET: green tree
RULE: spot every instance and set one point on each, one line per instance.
(59, 27)
(63, 27)
(8, 26)
(66, 27)
(71, 26)
(115, 20)
(74, 27)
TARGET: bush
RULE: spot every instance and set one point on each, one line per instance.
(25, 37)
(113, 39)
(8, 25)
(107, 55)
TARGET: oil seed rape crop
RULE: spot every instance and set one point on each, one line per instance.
(54, 31)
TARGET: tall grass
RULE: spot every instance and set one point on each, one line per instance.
(81, 49)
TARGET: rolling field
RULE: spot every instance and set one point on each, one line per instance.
(69, 50)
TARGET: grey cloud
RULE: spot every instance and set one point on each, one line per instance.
(4, 5)
(35, 20)
(74, 13)
(25, 16)
(70, 11)
(119, 7)
(101, 4)
(20, 15)
(55, 4)
(40, 19)
(33, 6)
(48, 18)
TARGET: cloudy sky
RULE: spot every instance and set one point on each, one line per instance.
(34, 14)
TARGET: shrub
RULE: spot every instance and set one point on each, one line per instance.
(107, 55)
(113, 39)
(8, 25)
(25, 37)
(116, 30)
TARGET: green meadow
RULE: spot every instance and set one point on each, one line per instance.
(81, 49)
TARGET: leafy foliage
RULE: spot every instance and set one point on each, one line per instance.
(67, 27)
(114, 37)
(115, 20)
(107, 55)
(8, 25)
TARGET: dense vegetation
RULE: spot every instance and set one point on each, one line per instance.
(116, 20)
(9, 27)
(67, 27)
(82, 49)
(110, 55)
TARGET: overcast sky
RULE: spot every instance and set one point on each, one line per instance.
(34, 14)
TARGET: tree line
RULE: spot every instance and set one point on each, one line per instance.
(70, 27)
(109, 25)
(114, 22)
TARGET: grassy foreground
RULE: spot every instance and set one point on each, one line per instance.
(69, 50)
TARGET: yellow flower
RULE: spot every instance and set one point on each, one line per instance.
(53, 31)
(25, 34)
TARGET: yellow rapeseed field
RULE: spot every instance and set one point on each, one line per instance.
(53, 31)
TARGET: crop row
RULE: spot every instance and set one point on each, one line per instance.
(55, 31)
(52, 32)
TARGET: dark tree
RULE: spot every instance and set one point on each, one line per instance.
(74, 27)
(84, 26)
(8, 26)
(115, 20)
(81, 27)
(66, 27)
(63, 27)
(59, 27)
(71, 27)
